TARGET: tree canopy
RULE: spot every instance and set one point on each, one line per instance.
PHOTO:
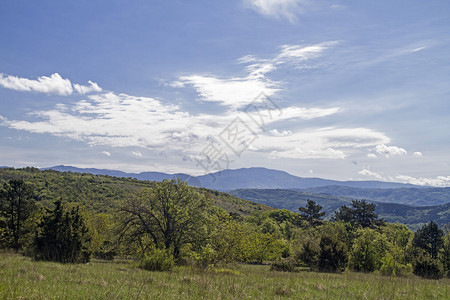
(361, 213)
(171, 214)
(312, 213)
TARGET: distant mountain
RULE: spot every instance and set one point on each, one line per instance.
(245, 178)
(262, 178)
(411, 216)
(411, 196)
(151, 176)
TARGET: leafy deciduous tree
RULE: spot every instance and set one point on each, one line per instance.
(171, 215)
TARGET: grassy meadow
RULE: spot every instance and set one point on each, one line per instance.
(22, 278)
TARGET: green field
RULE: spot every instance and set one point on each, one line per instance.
(22, 278)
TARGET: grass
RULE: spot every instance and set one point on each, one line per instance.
(22, 278)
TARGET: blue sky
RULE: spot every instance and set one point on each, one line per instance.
(335, 89)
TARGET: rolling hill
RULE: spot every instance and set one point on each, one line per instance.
(103, 193)
(411, 216)
(411, 196)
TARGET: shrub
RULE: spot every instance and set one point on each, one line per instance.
(204, 257)
(392, 267)
(427, 267)
(283, 266)
(157, 260)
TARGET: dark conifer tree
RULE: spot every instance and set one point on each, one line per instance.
(17, 204)
(361, 213)
(62, 236)
(312, 213)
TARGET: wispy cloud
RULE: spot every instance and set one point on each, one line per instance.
(439, 181)
(84, 89)
(278, 8)
(106, 153)
(232, 92)
(436, 181)
(331, 143)
(137, 153)
(104, 119)
(237, 92)
(54, 84)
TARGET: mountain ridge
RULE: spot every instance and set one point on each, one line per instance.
(231, 179)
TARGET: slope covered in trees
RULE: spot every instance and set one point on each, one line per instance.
(100, 193)
(412, 216)
(161, 224)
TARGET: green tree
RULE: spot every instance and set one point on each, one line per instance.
(332, 255)
(429, 239)
(16, 206)
(62, 236)
(361, 214)
(445, 256)
(368, 250)
(171, 214)
(312, 213)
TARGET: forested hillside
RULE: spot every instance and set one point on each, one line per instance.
(70, 217)
(414, 196)
(100, 193)
(412, 216)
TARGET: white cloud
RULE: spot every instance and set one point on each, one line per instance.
(84, 89)
(104, 119)
(439, 181)
(390, 150)
(417, 154)
(278, 8)
(275, 132)
(369, 173)
(137, 153)
(371, 155)
(237, 92)
(300, 53)
(106, 153)
(233, 92)
(331, 143)
(54, 84)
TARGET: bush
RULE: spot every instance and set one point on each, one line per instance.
(283, 266)
(157, 260)
(204, 258)
(427, 267)
(392, 267)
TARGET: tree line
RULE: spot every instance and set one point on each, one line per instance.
(173, 223)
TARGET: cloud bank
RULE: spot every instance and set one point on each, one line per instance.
(54, 84)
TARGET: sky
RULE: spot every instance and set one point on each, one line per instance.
(344, 90)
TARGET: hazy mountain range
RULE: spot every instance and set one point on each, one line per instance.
(262, 178)
(245, 178)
